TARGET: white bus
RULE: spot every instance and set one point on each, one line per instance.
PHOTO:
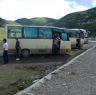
(85, 35)
(36, 39)
(74, 34)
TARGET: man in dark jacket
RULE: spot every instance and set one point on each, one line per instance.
(17, 46)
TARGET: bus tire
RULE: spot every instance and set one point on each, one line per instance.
(25, 52)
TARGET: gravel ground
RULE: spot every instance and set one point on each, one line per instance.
(78, 78)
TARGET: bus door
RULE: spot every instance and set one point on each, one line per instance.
(56, 43)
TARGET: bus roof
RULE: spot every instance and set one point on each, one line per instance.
(33, 26)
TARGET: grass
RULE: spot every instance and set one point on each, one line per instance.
(2, 35)
(75, 54)
(7, 79)
(16, 77)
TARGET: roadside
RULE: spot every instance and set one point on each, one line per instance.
(18, 75)
(78, 78)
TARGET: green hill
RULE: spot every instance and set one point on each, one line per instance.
(38, 21)
(84, 19)
(43, 21)
(3, 22)
(12, 22)
(24, 21)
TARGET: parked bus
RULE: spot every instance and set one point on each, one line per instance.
(74, 35)
(85, 35)
(37, 39)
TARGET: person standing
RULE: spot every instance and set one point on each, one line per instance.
(5, 51)
(17, 46)
(78, 42)
(56, 44)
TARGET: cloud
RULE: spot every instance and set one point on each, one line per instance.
(94, 3)
(73, 4)
(86, 3)
(14, 9)
(76, 6)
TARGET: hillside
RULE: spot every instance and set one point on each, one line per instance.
(36, 21)
(84, 19)
(24, 21)
(12, 22)
(3, 22)
(43, 21)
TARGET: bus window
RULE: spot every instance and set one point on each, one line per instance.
(64, 36)
(78, 34)
(45, 33)
(30, 32)
(70, 34)
(81, 34)
(74, 34)
(57, 30)
(14, 32)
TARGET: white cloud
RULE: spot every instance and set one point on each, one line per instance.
(80, 8)
(94, 3)
(14, 9)
(87, 3)
(72, 4)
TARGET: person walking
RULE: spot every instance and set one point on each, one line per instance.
(17, 46)
(5, 51)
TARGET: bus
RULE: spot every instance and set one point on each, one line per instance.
(37, 39)
(85, 35)
(74, 34)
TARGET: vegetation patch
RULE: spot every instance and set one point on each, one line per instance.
(2, 35)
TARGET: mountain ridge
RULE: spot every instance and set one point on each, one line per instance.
(83, 19)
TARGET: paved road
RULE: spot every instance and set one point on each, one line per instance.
(77, 77)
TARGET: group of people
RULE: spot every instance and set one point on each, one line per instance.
(5, 50)
(56, 47)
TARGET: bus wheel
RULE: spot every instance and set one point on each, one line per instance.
(25, 52)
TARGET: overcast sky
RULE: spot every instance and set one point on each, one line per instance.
(14, 9)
